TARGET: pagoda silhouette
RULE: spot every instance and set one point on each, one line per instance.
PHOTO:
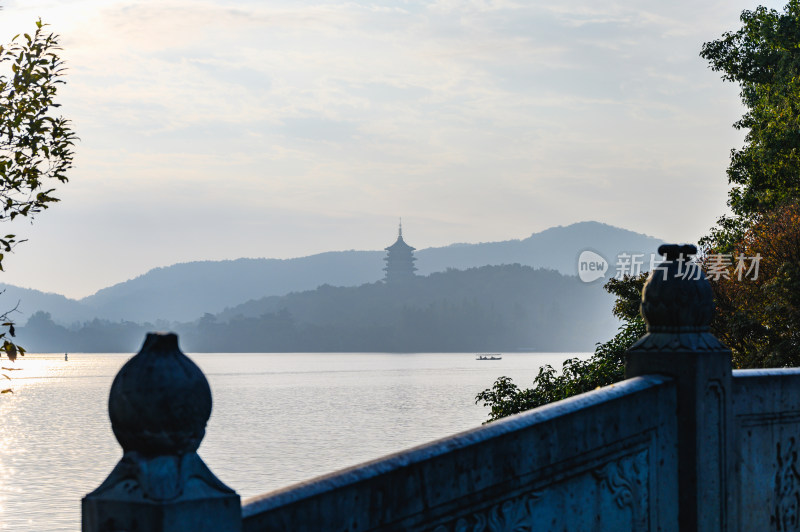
(399, 260)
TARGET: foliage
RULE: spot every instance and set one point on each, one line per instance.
(605, 367)
(763, 56)
(758, 317)
(35, 145)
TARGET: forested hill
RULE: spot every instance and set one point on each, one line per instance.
(184, 292)
(495, 308)
(492, 308)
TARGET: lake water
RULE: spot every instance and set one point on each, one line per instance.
(277, 419)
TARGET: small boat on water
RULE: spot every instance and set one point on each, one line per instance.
(489, 356)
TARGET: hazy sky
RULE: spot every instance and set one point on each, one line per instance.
(286, 128)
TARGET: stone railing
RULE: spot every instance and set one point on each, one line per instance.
(682, 444)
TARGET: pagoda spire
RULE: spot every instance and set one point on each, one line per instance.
(399, 259)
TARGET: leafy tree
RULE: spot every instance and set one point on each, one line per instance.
(763, 57)
(758, 312)
(758, 318)
(35, 144)
(605, 367)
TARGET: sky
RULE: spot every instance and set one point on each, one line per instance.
(281, 129)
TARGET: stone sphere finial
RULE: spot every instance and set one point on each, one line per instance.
(160, 400)
(677, 297)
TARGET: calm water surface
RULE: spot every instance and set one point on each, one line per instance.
(277, 419)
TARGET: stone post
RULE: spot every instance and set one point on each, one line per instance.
(159, 404)
(677, 305)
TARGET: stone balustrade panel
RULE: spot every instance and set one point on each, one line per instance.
(766, 406)
(605, 460)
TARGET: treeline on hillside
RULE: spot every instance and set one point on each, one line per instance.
(493, 308)
(41, 334)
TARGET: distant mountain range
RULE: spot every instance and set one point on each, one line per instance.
(186, 291)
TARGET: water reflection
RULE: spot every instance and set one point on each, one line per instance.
(277, 419)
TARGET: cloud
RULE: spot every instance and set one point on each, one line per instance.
(530, 113)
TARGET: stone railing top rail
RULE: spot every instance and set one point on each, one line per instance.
(766, 372)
